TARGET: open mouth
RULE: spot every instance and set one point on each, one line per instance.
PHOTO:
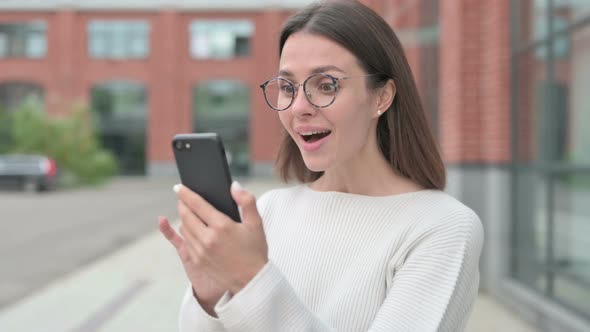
(311, 137)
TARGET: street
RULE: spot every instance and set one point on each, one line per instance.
(46, 236)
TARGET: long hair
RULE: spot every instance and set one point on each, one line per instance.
(403, 133)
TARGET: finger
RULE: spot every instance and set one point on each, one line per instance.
(247, 202)
(169, 233)
(192, 222)
(199, 206)
(192, 245)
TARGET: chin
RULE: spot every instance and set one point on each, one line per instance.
(315, 164)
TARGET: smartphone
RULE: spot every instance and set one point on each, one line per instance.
(202, 166)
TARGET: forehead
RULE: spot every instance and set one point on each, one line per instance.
(304, 52)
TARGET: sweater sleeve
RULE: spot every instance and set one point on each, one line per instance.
(435, 286)
(194, 318)
(432, 289)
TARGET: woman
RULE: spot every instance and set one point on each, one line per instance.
(368, 241)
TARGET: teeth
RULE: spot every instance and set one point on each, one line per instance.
(309, 133)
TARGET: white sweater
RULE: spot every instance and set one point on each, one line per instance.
(345, 262)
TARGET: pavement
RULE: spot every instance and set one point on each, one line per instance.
(139, 288)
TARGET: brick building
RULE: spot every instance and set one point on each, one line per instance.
(143, 65)
(504, 83)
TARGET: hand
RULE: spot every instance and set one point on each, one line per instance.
(229, 252)
(206, 290)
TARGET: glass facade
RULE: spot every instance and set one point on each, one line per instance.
(119, 112)
(551, 150)
(220, 39)
(118, 39)
(23, 40)
(223, 106)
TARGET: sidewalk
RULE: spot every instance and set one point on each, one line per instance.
(139, 289)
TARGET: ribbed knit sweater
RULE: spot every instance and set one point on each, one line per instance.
(346, 262)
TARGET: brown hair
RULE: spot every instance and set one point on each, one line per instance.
(403, 133)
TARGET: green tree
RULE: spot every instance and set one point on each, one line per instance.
(71, 141)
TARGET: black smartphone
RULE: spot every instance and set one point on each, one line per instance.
(202, 166)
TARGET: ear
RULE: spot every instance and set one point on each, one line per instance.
(385, 97)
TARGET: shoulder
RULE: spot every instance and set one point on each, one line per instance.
(435, 211)
(438, 205)
(440, 215)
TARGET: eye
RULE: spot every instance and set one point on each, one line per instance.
(327, 87)
(286, 88)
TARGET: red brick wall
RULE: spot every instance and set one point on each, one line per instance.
(474, 69)
(169, 74)
(475, 81)
(459, 94)
(495, 82)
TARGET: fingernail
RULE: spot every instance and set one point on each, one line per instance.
(176, 188)
(235, 186)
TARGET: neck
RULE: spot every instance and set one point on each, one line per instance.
(368, 173)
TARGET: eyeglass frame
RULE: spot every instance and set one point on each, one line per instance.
(296, 87)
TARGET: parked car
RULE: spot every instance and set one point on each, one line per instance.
(30, 172)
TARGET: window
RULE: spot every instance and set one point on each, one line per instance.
(116, 39)
(223, 106)
(14, 94)
(561, 44)
(552, 153)
(24, 40)
(220, 39)
(120, 111)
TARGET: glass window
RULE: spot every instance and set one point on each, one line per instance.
(532, 20)
(220, 39)
(136, 41)
(534, 113)
(118, 39)
(553, 156)
(571, 260)
(554, 112)
(23, 40)
(572, 11)
(14, 94)
(529, 264)
(561, 44)
(119, 112)
(553, 220)
(574, 73)
(223, 106)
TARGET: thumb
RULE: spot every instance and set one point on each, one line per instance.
(247, 203)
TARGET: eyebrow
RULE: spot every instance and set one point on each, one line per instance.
(317, 70)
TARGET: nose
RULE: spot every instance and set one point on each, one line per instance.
(301, 106)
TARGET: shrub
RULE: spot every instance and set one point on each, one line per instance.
(70, 140)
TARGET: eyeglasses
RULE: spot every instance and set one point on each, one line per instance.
(320, 90)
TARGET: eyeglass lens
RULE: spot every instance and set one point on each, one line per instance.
(320, 90)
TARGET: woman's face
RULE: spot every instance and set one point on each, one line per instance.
(350, 120)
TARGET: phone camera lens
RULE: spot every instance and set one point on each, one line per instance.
(178, 145)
